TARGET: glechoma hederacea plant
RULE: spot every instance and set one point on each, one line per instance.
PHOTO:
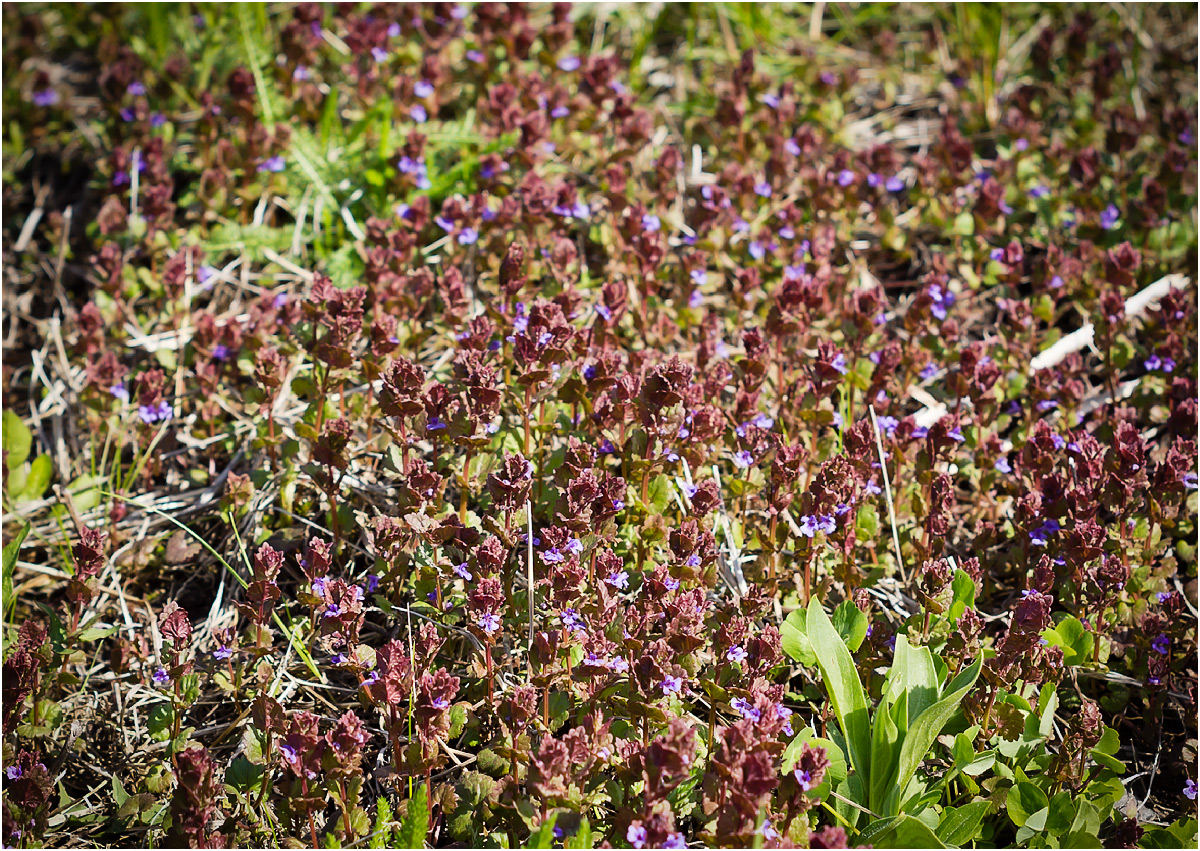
(507, 425)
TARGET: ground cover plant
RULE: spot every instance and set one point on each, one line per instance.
(505, 425)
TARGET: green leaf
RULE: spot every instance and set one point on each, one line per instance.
(793, 638)
(924, 730)
(582, 837)
(1073, 638)
(415, 824)
(1024, 799)
(884, 739)
(158, 722)
(960, 825)
(844, 687)
(962, 589)
(383, 815)
(11, 550)
(901, 831)
(17, 440)
(41, 471)
(243, 775)
(543, 837)
(95, 633)
(851, 624)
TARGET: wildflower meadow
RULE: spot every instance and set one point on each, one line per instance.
(599, 425)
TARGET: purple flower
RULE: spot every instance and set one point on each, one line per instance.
(332, 610)
(222, 652)
(636, 835)
(1161, 645)
(272, 164)
(839, 363)
(888, 424)
(872, 489)
(785, 714)
(671, 583)
(468, 236)
(571, 620)
(1002, 465)
(671, 685)
(1039, 192)
(1109, 217)
(677, 840)
(845, 177)
(489, 622)
(650, 222)
(768, 832)
(618, 579)
(756, 249)
(288, 753)
(372, 583)
(161, 677)
(220, 351)
(894, 184)
(461, 570)
(695, 299)
(762, 189)
(736, 654)
(44, 97)
(699, 277)
(743, 459)
(154, 413)
(418, 114)
(423, 89)
(771, 100)
(956, 434)
(120, 391)
(13, 772)
(136, 89)
(763, 421)
(1189, 789)
(942, 301)
(379, 54)
(435, 424)
(804, 778)
(745, 709)
(693, 560)
(474, 56)
(792, 147)
(569, 63)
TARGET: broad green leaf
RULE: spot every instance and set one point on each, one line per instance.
(962, 589)
(1025, 799)
(243, 775)
(794, 640)
(884, 740)
(851, 624)
(17, 440)
(1073, 638)
(920, 677)
(158, 721)
(41, 471)
(901, 831)
(960, 825)
(844, 687)
(924, 730)
(415, 824)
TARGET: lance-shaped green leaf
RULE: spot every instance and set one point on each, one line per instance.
(844, 687)
(923, 730)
